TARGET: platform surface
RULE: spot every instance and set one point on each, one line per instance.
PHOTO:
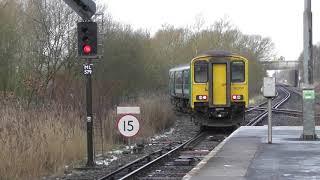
(245, 154)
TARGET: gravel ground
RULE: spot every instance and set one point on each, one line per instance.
(183, 130)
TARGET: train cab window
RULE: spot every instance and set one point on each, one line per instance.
(237, 71)
(201, 71)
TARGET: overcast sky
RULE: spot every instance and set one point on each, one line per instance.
(281, 20)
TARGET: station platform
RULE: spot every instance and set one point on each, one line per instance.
(246, 155)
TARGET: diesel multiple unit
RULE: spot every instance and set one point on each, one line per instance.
(213, 88)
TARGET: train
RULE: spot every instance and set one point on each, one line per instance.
(212, 88)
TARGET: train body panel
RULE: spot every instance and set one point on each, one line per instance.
(218, 88)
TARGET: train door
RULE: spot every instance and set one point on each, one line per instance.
(220, 84)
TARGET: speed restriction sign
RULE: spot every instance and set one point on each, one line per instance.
(128, 125)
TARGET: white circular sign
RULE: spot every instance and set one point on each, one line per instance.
(128, 125)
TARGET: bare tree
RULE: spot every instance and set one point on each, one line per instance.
(51, 29)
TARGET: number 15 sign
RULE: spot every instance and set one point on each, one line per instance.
(128, 124)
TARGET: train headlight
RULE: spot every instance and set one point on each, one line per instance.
(202, 97)
(237, 97)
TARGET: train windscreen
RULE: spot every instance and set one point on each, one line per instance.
(201, 71)
(237, 71)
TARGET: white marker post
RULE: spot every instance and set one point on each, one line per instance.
(269, 91)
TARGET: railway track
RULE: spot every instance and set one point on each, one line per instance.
(283, 111)
(174, 161)
(277, 102)
(259, 106)
(183, 156)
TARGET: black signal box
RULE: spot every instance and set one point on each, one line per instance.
(87, 40)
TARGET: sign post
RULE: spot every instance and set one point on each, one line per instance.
(269, 91)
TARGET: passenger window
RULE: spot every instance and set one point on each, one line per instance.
(237, 71)
(178, 80)
(171, 82)
(201, 71)
(186, 77)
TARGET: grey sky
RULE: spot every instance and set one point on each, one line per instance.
(281, 20)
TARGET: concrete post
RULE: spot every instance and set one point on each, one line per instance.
(307, 88)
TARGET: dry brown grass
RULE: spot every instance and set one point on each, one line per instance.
(157, 114)
(36, 142)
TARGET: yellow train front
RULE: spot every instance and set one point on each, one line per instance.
(217, 88)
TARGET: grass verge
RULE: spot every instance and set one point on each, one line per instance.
(39, 141)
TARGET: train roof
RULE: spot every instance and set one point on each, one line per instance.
(180, 67)
(216, 53)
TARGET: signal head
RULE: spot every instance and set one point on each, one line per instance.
(87, 39)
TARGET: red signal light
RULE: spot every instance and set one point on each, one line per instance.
(87, 49)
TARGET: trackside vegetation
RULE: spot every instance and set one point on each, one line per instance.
(42, 105)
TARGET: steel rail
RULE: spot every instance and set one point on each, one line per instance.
(147, 157)
(135, 172)
(150, 163)
(259, 105)
(284, 111)
(261, 116)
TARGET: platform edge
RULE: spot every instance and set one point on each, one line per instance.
(204, 161)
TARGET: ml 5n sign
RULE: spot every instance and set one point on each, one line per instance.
(128, 123)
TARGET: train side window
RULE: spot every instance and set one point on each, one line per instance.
(171, 82)
(237, 71)
(201, 71)
(186, 77)
(178, 80)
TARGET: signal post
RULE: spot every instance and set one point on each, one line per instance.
(87, 50)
